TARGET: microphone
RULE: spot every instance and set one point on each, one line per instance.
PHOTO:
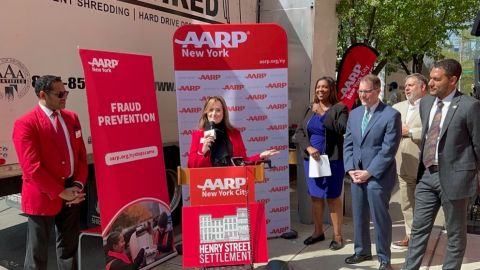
(209, 131)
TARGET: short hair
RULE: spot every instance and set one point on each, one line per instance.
(209, 103)
(451, 66)
(113, 239)
(45, 83)
(372, 79)
(422, 80)
(332, 93)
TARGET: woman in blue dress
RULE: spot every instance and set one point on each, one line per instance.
(321, 132)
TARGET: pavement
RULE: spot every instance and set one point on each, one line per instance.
(298, 256)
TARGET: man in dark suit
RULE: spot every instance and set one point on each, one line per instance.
(50, 148)
(450, 161)
(371, 141)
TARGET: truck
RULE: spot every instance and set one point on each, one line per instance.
(42, 37)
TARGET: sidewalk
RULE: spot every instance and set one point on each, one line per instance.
(299, 256)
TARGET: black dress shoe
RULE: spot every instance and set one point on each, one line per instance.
(312, 240)
(334, 245)
(354, 259)
(385, 266)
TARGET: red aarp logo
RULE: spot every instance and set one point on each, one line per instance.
(241, 129)
(279, 168)
(278, 189)
(277, 85)
(281, 209)
(235, 108)
(189, 88)
(185, 154)
(279, 147)
(264, 201)
(258, 139)
(187, 132)
(210, 77)
(256, 97)
(278, 106)
(190, 110)
(256, 76)
(233, 87)
(277, 127)
(279, 230)
(257, 118)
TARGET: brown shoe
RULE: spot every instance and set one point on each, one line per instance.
(401, 244)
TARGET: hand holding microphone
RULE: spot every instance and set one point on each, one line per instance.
(208, 137)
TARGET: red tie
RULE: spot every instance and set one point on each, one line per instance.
(62, 140)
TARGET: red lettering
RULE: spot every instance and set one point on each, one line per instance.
(279, 209)
(241, 129)
(258, 139)
(190, 110)
(279, 147)
(187, 132)
(189, 88)
(256, 75)
(279, 168)
(210, 77)
(235, 108)
(279, 230)
(257, 97)
(265, 201)
(277, 85)
(257, 118)
(277, 127)
(233, 87)
(279, 189)
(279, 106)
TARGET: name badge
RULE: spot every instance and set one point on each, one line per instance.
(78, 134)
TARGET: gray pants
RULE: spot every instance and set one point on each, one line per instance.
(429, 197)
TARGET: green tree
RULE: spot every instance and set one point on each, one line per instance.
(403, 30)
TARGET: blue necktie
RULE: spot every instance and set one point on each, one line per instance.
(366, 118)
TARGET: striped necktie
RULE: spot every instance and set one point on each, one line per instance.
(430, 147)
(365, 119)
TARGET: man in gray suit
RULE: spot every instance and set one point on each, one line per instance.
(371, 141)
(408, 153)
(450, 160)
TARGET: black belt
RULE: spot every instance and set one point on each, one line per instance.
(433, 169)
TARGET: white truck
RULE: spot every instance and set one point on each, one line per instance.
(42, 36)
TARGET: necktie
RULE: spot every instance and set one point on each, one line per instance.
(62, 140)
(365, 119)
(430, 147)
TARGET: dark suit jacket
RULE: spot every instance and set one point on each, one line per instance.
(458, 147)
(375, 151)
(42, 161)
(335, 124)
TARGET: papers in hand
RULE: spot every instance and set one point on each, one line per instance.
(319, 168)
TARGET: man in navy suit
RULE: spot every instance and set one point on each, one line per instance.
(372, 138)
(450, 162)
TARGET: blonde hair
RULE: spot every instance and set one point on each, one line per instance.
(206, 107)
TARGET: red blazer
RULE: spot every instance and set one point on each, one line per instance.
(196, 161)
(41, 160)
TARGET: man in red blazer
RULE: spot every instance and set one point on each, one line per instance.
(51, 151)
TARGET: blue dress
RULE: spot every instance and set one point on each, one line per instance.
(323, 187)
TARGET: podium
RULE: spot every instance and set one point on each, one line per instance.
(224, 225)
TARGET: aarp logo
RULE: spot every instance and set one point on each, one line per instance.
(104, 65)
(223, 183)
(213, 40)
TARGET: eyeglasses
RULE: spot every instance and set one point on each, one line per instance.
(366, 91)
(59, 94)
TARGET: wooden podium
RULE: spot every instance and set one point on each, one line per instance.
(224, 225)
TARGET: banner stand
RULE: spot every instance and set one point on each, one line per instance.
(210, 233)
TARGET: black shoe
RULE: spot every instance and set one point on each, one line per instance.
(334, 245)
(354, 259)
(385, 266)
(312, 240)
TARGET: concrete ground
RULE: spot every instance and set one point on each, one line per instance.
(299, 256)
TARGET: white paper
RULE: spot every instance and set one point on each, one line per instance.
(319, 168)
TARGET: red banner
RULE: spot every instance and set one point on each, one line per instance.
(127, 149)
(229, 234)
(357, 62)
(222, 185)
